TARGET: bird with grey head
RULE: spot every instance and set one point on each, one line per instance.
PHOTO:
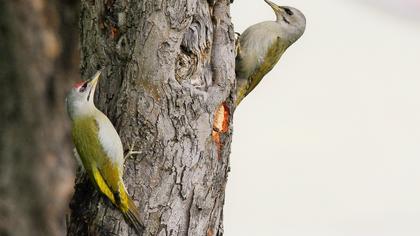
(260, 46)
(100, 150)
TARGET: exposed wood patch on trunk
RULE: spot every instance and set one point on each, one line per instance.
(220, 126)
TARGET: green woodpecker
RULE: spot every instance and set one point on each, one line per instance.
(260, 47)
(100, 149)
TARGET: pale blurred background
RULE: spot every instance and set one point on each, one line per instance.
(329, 143)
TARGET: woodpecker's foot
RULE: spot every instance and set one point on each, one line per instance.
(130, 154)
(237, 44)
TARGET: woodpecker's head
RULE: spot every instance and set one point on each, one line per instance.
(80, 98)
(291, 20)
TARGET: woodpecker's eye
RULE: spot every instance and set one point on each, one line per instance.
(288, 11)
(83, 87)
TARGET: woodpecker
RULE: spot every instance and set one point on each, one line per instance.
(260, 46)
(99, 148)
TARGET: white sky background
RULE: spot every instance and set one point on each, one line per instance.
(329, 143)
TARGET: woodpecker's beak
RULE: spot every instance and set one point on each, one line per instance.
(92, 84)
(272, 5)
(94, 80)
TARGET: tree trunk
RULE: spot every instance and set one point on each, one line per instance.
(168, 88)
(38, 59)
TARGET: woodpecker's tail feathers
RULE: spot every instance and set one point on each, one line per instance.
(132, 215)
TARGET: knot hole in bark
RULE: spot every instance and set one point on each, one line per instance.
(193, 60)
(186, 65)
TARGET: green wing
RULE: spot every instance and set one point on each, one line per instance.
(271, 58)
(95, 161)
(101, 171)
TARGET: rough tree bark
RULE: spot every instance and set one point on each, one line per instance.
(168, 88)
(38, 59)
